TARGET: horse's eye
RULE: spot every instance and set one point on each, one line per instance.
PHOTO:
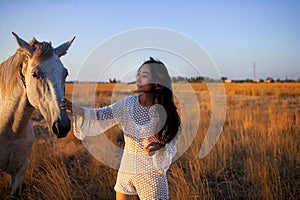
(34, 75)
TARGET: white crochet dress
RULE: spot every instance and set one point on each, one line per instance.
(139, 173)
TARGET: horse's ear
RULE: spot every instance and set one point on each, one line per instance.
(62, 49)
(23, 44)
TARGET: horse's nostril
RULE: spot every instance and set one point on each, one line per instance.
(61, 129)
(55, 128)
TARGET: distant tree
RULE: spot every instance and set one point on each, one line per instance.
(209, 80)
(289, 80)
(200, 79)
(114, 80)
(223, 78)
(248, 80)
(179, 79)
(197, 79)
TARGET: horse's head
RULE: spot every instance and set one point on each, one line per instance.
(44, 75)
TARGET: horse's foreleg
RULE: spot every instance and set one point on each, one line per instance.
(16, 182)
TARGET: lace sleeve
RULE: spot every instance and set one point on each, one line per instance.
(162, 158)
(97, 121)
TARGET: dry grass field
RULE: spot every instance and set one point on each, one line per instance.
(256, 157)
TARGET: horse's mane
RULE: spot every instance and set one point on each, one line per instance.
(43, 51)
(10, 68)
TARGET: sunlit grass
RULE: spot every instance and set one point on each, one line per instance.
(256, 157)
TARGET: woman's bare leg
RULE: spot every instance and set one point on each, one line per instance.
(120, 196)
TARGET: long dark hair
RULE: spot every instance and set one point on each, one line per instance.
(163, 94)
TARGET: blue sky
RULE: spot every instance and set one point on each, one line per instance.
(234, 33)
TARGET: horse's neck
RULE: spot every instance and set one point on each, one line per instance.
(15, 111)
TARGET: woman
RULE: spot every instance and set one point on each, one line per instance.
(150, 123)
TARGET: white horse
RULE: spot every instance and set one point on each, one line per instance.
(32, 78)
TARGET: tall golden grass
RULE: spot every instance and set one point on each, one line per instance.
(256, 157)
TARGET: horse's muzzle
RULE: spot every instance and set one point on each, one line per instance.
(62, 126)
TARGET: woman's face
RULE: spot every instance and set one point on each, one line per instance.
(144, 79)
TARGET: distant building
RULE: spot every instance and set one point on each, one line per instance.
(269, 80)
(227, 81)
(259, 80)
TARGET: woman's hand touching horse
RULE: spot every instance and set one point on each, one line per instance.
(69, 106)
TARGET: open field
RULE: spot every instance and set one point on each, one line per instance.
(256, 157)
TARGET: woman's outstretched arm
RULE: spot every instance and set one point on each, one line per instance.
(93, 121)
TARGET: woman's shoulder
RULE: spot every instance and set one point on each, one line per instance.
(128, 100)
(131, 99)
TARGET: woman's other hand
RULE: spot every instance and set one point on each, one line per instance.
(152, 147)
